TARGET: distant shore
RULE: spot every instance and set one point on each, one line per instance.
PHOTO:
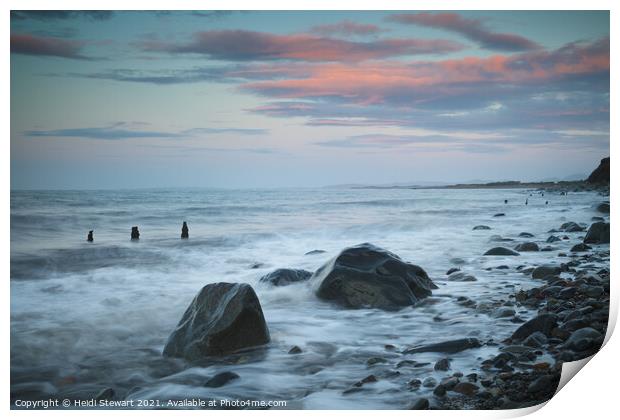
(547, 186)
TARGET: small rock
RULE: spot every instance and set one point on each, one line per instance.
(420, 404)
(546, 270)
(221, 379)
(294, 350)
(525, 235)
(543, 383)
(466, 388)
(527, 247)
(439, 391)
(499, 214)
(429, 382)
(581, 247)
(481, 227)
(500, 250)
(315, 252)
(442, 364)
(105, 394)
(452, 270)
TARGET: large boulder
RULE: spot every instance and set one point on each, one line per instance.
(597, 234)
(546, 270)
(500, 250)
(527, 247)
(601, 174)
(543, 323)
(286, 276)
(222, 318)
(571, 227)
(366, 276)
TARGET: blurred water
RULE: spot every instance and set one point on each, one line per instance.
(90, 315)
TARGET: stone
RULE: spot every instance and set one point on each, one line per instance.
(536, 339)
(598, 233)
(366, 276)
(504, 313)
(89, 237)
(222, 319)
(544, 323)
(601, 174)
(460, 276)
(420, 404)
(184, 231)
(135, 234)
(525, 235)
(442, 364)
(481, 227)
(571, 227)
(553, 238)
(584, 339)
(221, 379)
(452, 270)
(429, 382)
(105, 394)
(544, 383)
(452, 346)
(500, 250)
(527, 247)
(466, 388)
(439, 391)
(543, 271)
(581, 247)
(499, 214)
(603, 208)
(315, 252)
(294, 350)
(286, 276)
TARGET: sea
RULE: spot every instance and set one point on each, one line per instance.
(90, 316)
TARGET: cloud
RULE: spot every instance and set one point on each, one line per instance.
(46, 46)
(238, 45)
(48, 15)
(347, 28)
(123, 131)
(473, 29)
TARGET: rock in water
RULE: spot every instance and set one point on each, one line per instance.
(544, 323)
(135, 234)
(453, 346)
(580, 248)
(603, 207)
(571, 227)
(546, 270)
(184, 231)
(221, 379)
(286, 276)
(527, 247)
(500, 250)
(481, 227)
(366, 276)
(601, 174)
(90, 238)
(597, 234)
(222, 318)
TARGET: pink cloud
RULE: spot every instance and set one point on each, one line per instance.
(346, 27)
(46, 46)
(241, 45)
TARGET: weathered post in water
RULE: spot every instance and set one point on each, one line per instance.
(135, 234)
(89, 238)
(184, 231)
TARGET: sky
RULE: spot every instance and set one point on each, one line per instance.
(261, 99)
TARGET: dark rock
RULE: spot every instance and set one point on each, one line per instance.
(450, 382)
(601, 174)
(439, 391)
(294, 350)
(499, 238)
(315, 252)
(571, 227)
(553, 238)
(546, 270)
(597, 219)
(527, 247)
(499, 214)
(500, 250)
(452, 270)
(429, 382)
(375, 360)
(525, 235)
(367, 380)
(221, 379)
(442, 364)
(452, 346)
(503, 313)
(89, 237)
(420, 404)
(581, 247)
(466, 388)
(366, 276)
(584, 339)
(135, 234)
(545, 383)
(414, 383)
(544, 323)
(286, 276)
(502, 267)
(536, 340)
(481, 227)
(105, 394)
(460, 276)
(184, 231)
(598, 233)
(221, 319)
(603, 208)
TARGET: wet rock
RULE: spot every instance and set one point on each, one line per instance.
(366, 276)
(105, 394)
(460, 276)
(439, 391)
(466, 388)
(375, 360)
(450, 382)
(315, 252)
(543, 323)
(598, 233)
(499, 238)
(503, 313)
(500, 250)
(420, 404)
(452, 270)
(221, 319)
(525, 235)
(597, 219)
(499, 215)
(89, 237)
(571, 227)
(414, 383)
(286, 276)
(536, 340)
(367, 380)
(603, 208)
(584, 339)
(221, 379)
(452, 346)
(581, 247)
(544, 383)
(295, 350)
(184, 231)
(553, 238)
(135, 234)
(429, 382)
(527, 247)
(601, 174)
(442, 364)
(481, 227)
(546, 270)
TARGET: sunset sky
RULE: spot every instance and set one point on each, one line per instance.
(284, 99)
